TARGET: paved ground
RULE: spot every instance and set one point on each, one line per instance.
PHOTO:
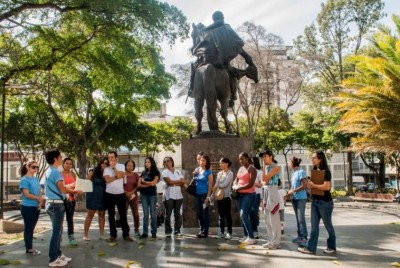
(365, 238)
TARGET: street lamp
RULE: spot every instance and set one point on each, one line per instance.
(3, 111)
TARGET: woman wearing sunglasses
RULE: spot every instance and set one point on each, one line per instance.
(31, 199)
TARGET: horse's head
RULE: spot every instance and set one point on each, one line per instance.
(196, 33)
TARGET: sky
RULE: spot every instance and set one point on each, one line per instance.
(286, 18)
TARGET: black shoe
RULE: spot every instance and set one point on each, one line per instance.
(231, 103)
(153, 236)
(201, 235)
(143, 236)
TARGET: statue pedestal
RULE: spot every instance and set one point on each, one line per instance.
(216, 146)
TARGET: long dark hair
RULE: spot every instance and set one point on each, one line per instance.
(208, 161)
(97, 172)
(153, 168)
(323, 165)
(270, 153)
(256, 163)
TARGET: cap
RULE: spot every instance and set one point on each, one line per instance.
(266, 152)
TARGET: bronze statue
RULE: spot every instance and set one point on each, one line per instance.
(213, 78)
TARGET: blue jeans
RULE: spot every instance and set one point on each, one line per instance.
(246, 205)
(56, 212)
(173, 205)
(31, 216)
(299, 207)
(321, 210)
(149, 207)
(202, 214)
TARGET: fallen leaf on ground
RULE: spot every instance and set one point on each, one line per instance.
(266, 252)
(395, 264)
(4, 262)
(131, 262)
(242, 246)
(16, 262)
(140, 246)
(101, 254)
(222, 248)
(337, 262)
(112, 244)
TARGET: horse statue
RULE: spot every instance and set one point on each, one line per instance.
(210, 84)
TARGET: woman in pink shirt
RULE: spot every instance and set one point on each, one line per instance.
(244, 184)
(130, 188)
(69, 182)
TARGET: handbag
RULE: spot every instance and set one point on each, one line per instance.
(191, 189)
(234, 194)
(219, 194)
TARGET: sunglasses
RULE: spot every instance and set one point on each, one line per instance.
(34, 167)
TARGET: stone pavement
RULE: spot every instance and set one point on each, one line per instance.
(365, 238)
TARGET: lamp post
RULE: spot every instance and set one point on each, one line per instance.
(3, 111)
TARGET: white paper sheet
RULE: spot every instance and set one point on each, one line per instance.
(84, 185)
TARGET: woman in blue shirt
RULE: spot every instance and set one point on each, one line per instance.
(204, 182)
(299, 199)
(31, 199)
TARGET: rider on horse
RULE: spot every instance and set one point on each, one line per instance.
(218, 44)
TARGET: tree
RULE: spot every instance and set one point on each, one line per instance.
(279, 82)
(89, 65)
(370, 99)
(322, 50)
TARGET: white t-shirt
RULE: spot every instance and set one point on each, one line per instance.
(258, 180)
(172, 192)
(282, 194)
(117, 186)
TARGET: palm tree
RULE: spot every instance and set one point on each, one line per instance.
(371, 96)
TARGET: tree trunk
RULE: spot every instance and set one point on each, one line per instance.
(381, 178)
(349, 174)
(82, 161)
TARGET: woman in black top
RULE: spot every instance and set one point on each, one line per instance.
(148, 196)
(321, 208)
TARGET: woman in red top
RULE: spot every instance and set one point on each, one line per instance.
(130, 187)
(69, 182)
(244, 184)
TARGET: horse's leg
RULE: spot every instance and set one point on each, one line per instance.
(211, 96)
(198, 107)
(224, 114)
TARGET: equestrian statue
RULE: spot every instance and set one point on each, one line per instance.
(213, 78)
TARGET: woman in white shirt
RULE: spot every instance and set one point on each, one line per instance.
(173, 180)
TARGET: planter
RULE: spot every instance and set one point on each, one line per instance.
(377, 197)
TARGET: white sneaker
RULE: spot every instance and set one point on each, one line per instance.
(228, 236)
(58, 263)
(85, 238)
(65, 258)
(220, 235)
(249, 241)
(241, 240)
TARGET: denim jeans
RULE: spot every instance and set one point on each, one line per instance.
(69, 214)
(254, 217)
(202, 214)
(56, 212)
(246, 204)
(118, 200)
(173, 205)
(321, 210)
(149, 207)
(299, 207)
(30, 216)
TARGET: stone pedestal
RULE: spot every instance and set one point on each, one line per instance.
(215, 146)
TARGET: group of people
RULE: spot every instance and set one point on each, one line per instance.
(117, 185)
(254, 186)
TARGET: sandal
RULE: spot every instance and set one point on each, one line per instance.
(34, 252)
